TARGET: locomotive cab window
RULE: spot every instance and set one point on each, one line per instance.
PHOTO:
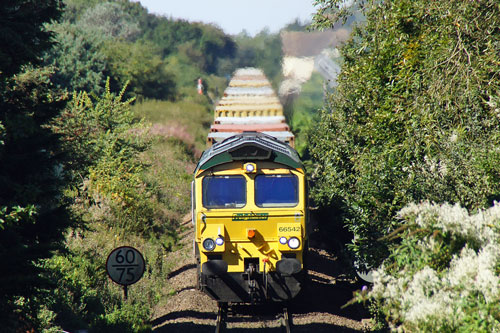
(276, 190)
(224, 191)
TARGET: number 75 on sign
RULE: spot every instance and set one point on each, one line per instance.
(125, 265)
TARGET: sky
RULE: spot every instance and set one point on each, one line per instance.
(235, 15)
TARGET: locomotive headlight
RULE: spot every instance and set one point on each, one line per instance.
(283, 240)
(209, 244)
(219, 241)
(250, 167)
(293, 243)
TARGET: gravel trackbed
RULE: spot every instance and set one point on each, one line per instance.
(316, 309)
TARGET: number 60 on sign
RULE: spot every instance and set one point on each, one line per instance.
(125, 265)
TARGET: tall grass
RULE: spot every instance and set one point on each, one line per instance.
(187, 120)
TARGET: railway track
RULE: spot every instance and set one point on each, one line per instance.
(279, 312)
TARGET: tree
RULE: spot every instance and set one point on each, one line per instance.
(22, 36)
(140, 64)
(101, 135)
(262, 51)
(214, 44)
(77, 58)
(109, 19)
(297, 25)
(414, 117)
(32, 218)
(203, 44)
(74, 9)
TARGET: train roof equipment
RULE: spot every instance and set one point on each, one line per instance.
(284, 136)
(249, 146)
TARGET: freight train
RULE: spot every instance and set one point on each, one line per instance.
(249, 199)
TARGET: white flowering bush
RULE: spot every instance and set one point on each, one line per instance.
(444, 273)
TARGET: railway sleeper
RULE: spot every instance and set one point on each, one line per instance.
(283, 317)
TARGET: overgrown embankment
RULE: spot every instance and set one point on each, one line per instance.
(135, 191)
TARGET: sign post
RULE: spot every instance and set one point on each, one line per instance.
(125, 265)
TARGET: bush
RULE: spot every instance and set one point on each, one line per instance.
(414, 116)
(33, 216)
(445, 273)
(103, 140)
(304, 111)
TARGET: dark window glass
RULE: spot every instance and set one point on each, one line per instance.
(250, 151)
(224, 191)
(276, 190)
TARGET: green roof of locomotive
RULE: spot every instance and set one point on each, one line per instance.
(249, 146)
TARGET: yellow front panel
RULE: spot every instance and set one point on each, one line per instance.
(237, 221)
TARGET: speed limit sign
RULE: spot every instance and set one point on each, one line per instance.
(125, 265)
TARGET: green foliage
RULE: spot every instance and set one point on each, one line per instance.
(112, 194)
(122, 190)
(214, 44)
(87, 299)
(31, 212)
(262, 51)
(99, 43)
(413, 117)
(205, 47)
(444, 273)
(296, 25)
(110, 20)
(32, 217)
(178, 144)
(175, 119)
(103, 140)
(304, 111)
(330, 12)
(140, 64)
(186, 77)
(203, 44)
(90, 126)
(169, 34)
(99, 155)
(77, 58)
(23, 37)
(74, 9)
(159, 56)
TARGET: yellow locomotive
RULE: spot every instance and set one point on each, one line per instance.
(249, 198)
